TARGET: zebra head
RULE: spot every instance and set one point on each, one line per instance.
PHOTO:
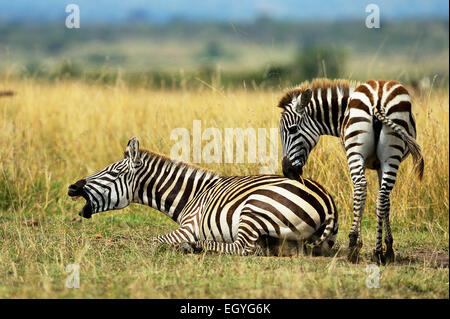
(298, 135)
(112, 187)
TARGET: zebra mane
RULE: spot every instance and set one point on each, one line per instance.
(179, 164)
(321, 83)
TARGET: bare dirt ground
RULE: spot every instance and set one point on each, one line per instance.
(431, 258)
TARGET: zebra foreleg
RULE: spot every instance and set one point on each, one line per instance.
(235, 248)
(181, 238)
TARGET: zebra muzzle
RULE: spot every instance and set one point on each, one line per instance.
(290, 171)
(76, 191)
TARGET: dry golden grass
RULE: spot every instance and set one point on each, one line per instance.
(53, 134)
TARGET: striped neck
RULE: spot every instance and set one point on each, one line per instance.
(327, 108)
(168, 185)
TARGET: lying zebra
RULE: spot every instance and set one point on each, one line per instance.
(215, 213)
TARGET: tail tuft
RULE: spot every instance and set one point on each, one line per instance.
(419, 168)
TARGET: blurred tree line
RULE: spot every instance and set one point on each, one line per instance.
(307, 64)
(323, 49)
(310, 63)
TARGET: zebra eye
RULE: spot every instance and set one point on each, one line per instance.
(293, 129)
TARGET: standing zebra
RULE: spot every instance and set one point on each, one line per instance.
(215, 213)
(377, 129)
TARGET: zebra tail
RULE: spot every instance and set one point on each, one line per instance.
(326, 233)
(414, 148)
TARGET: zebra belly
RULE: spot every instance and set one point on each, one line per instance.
(303, 232)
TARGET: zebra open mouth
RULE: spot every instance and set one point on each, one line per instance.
(75, 192)
(86, 211)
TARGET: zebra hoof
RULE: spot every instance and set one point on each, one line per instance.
(389, 256)
(378, 257)
(186, 248)
(353, 255)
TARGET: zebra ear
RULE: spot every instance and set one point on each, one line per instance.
(304, 100)
(133, 150)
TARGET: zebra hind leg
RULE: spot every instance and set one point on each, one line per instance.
(389, 241)
(244, 244)
(387, 180)
(378, 256)
(359, 200)
(321, 242)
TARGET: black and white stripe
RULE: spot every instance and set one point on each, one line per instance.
(377, 128)
(215, 213)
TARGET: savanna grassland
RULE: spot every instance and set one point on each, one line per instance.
(53, 134)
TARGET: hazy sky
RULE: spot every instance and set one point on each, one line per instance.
(222, 10)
